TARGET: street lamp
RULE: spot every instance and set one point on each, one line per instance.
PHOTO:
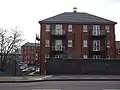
(36, 51)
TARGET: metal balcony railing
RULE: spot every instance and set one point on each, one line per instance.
(58, 32)
(58, 48)
(101, 33)
(99, 49)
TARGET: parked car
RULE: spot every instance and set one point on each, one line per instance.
(26, 69)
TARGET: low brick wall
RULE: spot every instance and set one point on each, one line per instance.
(80, 66)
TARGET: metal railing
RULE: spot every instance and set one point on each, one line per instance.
(101, 33)
(58, 32)
(58, 48)
(100, 49)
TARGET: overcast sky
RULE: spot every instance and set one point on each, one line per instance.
(26, 13)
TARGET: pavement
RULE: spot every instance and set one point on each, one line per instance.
(25, 79)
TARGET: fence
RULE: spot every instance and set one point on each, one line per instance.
(86, 66)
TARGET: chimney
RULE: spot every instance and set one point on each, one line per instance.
(74, 9)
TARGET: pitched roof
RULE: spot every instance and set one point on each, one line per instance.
(29, 44)
(77, 17)
(117, 44)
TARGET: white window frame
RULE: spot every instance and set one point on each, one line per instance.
(70, 43)
(108, 43)
(46, 57)
(47, 43)
(69, 28)
(58, 27)
(96, 45)
(58, 42)
(96, 57)
(107, 28)
(47, 27)
(85, 43)
(118, 51)
(85, 56)
(58, 45)
(85, 28)
(96, 30)
(58, 56)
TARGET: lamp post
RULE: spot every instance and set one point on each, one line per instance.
(36, 51)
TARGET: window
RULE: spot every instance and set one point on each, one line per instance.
(96, 45)
(58, 45)
(47, 57)
(58, 56)
(28, 61)
(25, 52)
(70, 43)
(85, 56)
(96, 29)
(69, 28)
(107, 28)
(31, 61)
(118, 51)
(47, 27)
(108, 43)
(96, 56)
(47, 43)
(84, 28)
(36, 54)
(58, 27)
(32, 47)
(85, 43)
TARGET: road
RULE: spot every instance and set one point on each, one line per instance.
(62, 85)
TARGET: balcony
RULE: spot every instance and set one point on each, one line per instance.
(102, 33)
(58, 48)
(58, 33)
(99, 50)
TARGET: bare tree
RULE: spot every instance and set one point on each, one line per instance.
(10, 40)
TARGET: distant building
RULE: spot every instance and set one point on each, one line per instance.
(77, 34)
(30, 52)
(118, 49)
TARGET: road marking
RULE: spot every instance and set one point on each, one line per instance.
(46, 89)
(111, 89)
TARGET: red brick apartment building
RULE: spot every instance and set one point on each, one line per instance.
(118, 49)
(29, 52)
(76, 35)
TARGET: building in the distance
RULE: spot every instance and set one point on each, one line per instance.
(30, 52)
(118, 49)
(76, 35)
